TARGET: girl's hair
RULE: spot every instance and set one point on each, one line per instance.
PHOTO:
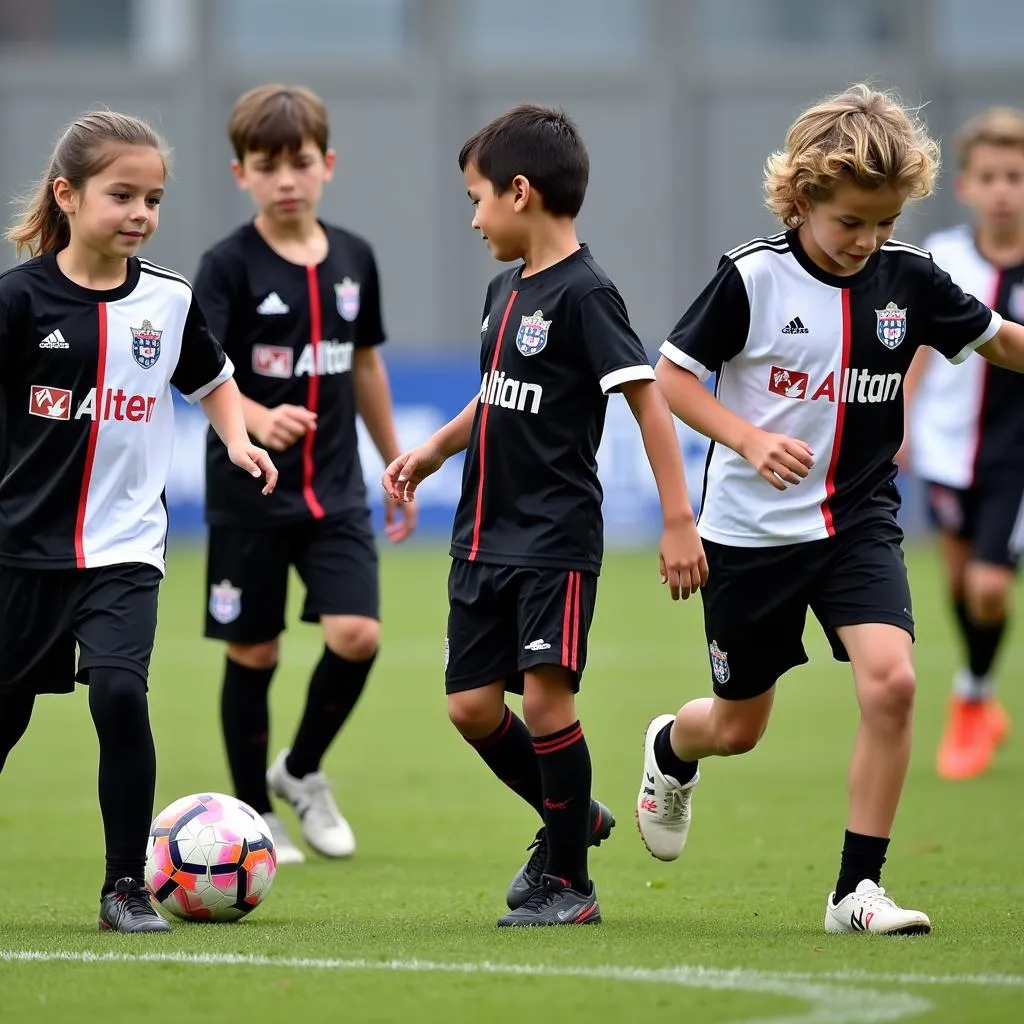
(83, 150)
(997, 126)
(861, 135)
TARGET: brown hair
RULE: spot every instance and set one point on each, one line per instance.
(997, 126)
(83, 150)
(861, 135)
(272, 118)
(543, 145)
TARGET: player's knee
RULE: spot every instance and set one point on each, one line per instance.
(117, 698)
(258, 656)
(890, 693)
(352, 637)
(739, 737)
(474, 713)
(988, 598)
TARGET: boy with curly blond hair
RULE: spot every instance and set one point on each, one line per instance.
(811, 333)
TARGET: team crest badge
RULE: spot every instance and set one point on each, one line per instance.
(225, 602)
(1015, 303)
(719, 662)
(892, 325)
(532, 335)
(146, 344)
(346, 295)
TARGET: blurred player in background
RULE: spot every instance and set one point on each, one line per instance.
(296, 303)
(966, 435)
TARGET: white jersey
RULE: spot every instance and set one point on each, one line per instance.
(968, 420)
(820, 358)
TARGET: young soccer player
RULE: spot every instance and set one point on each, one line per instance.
(527, 539)
(811, 333)
(91, 339)
(296, 304)
(966, 435)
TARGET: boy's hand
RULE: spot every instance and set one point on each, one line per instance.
(779, 459)
(255, 461)
(404, 475)
(283, 425)
(396, 530)
(683, 565)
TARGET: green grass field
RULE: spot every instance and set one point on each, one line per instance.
(406, 930)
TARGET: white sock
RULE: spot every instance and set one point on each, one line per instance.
(970, 687)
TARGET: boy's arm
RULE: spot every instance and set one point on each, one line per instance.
(405, 473)
(683, 565)
(779, 459)
(223, 408)
(373, 401)
(1006, 349)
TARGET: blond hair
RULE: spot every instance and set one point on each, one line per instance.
(997, 126)
(82, 151)
(861, 135)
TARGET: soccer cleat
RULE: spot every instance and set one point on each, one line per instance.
(530, 875)
(322, 823)
(998, 721)
(968, 743)
(128, 908)
(554, 903)
(287, 851)
(663, 805)
(868, 909)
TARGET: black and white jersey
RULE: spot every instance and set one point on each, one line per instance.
(821, 358)
(554, 345)
(967, 421)
(291, 331)
(88, 420)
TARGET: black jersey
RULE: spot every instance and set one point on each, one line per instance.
(554, 345)
(967, 421)
(291, 331)
(821, 358)
(88, 420)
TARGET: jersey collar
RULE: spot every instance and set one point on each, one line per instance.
(835, 280)
(49, 262)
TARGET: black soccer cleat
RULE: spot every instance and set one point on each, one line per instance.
(529, 876)
(128, 908)
(554, 903)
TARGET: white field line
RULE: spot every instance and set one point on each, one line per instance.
(827, 1001)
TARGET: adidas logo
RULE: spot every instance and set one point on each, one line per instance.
(795, 326)
(272, 305)
(54, 340)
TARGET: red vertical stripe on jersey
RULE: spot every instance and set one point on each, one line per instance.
(94, 430)
(986, 369)
(837, 439)
(315, 333)
(483, 432)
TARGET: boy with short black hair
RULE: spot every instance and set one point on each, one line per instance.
(966, 435)
(527, 539)
(811, 333)
(297, 304)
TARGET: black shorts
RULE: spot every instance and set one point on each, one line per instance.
(503, 620)
(988, 515)
(109, 612)
(756, 601)
(247, 575)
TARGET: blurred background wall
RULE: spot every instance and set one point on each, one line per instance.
(680, 101)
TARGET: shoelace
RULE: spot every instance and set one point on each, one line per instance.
(322, 807)
(538, 859)
(876, 898)
(675, 804)
(543, 896)
(137, 901)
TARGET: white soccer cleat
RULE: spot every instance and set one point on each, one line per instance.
(868, 909)
(287, 851)
(663, 805)
(322, 823)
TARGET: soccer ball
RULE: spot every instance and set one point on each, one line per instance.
(210, 857)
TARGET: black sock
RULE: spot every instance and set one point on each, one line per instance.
(668, 761)
(509, 753)
(127, 775)
(566, 775)
(245, 720)
(863, 857)
(15, 712)
(981, 641)
(334, 688)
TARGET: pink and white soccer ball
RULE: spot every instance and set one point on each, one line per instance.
(210, 857)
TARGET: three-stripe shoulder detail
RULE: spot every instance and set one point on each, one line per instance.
(896, 246)
(157, 271)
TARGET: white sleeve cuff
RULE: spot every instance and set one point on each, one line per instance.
(994, 327)
(615, 379)
(680, 358)
(226, 372)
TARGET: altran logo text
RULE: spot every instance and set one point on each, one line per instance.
(509, 393)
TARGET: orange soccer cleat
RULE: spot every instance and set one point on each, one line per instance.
(970, 739)
(998, 721)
